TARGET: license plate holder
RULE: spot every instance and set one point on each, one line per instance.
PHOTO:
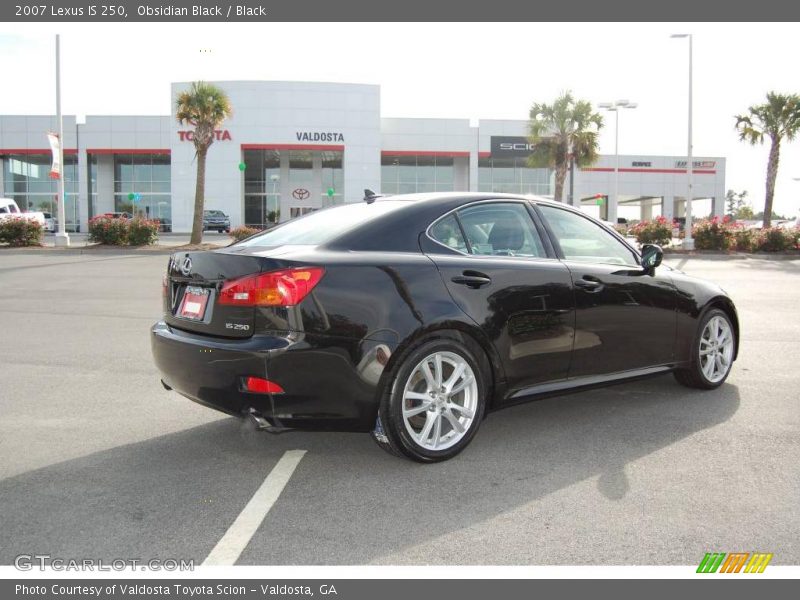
(194, 303)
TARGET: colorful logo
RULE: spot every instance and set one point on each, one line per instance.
(734, 562)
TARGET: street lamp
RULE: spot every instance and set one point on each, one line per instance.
(62, 237)
(688, 241)
(615, 107)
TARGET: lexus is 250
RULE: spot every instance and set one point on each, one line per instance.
(412, 317)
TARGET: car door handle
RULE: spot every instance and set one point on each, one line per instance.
(472, 279)
(589, 285)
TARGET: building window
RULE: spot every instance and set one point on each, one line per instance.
(91, 166)
(332, 178)
(26, 180)
(262, 187)
(148, 176)
(402, 174)
(513, 176)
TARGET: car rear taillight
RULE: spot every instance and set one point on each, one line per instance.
(277, 288)
(257, 385)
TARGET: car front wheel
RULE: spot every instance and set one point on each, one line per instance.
(434, 404)
(712, 354)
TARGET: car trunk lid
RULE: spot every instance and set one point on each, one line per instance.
(192, 286)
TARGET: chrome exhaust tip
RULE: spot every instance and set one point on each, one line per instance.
(261, 424)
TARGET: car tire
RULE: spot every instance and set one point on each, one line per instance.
(431, 414)
(713, 350)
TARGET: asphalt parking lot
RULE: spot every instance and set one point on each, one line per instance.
(98, 460)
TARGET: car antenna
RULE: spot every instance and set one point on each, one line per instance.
(370, 196)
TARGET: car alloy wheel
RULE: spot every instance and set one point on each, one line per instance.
(435, 399)
(716, 349)
(440, 399)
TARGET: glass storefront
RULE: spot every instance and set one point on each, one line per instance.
(512, 176)
(149, 176)
(313, 180)
(26, 180)
(403, 174)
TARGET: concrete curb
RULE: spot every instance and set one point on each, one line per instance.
(669, 254)
(89, 250)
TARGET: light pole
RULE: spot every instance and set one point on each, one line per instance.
(615, 107)
(62, 237)
(688, 240)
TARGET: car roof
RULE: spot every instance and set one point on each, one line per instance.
(398, 230)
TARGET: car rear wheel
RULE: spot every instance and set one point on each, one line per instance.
(712, 353)
(434, 404)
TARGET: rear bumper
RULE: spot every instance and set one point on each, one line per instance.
(330, 383)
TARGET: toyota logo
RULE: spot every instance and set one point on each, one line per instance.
(186, 266)
(300, 194)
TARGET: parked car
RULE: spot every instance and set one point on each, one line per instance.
(10, 210)
(413, 316)
(216, 219)
(50, 222)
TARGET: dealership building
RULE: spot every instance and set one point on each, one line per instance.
(294, 147)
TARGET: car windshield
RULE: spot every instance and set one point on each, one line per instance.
(324, 225)
(214, 213)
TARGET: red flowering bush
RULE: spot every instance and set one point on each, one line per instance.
(658, 231)
(19, 231)
(743, 240)
(142, 232)
(105, 230)
(776, 239)
(123, 232)
(242, 232)
(713, 234)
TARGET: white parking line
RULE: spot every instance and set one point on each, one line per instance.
(235, 540)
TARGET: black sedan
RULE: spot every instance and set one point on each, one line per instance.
(411, 317)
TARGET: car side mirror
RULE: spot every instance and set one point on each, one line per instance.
(652, 255)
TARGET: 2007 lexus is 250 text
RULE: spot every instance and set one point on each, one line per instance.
(411, 317)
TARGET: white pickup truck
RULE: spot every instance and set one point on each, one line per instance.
(9, 210)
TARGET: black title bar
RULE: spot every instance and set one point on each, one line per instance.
(397, 10)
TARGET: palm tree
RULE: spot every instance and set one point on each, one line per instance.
(557, 128)
(777, 119)
(204, 106)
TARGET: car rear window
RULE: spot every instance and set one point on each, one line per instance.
(324, 225)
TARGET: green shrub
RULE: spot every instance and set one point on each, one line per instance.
(776, 239)
(19, 231)
(713, 234)
(105, 230)
(142, 232)
(242, 232)
(658, 231)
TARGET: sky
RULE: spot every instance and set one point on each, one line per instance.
(443, 70)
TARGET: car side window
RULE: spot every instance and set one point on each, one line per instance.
(501, 229)
(3, 209)
(447, 232)
(585, 241)
(12, 208)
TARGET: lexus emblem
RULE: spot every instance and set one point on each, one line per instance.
(300, 194)
(186, 266)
